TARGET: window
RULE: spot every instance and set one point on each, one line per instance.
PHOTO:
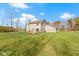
(37, 24)
(33, 29)
(37, 29)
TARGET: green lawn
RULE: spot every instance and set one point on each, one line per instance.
(42, 44)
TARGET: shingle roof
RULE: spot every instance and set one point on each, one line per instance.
(35, 22)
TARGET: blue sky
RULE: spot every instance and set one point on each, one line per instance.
(48, 11)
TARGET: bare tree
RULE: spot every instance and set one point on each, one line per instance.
(10, 19)
(2, 22)
(27, 24)
(70, 24)
(17, 24)
(57, 24)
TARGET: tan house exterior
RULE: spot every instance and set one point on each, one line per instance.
(49, 28)
(40, 26)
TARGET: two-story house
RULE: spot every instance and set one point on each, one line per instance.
(40, 26)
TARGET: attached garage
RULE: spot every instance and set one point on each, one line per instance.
(49, 28)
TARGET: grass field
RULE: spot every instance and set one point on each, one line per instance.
(42, 44)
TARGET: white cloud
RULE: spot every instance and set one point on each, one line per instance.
(28, 16)
(19, 5)
(25, 17)
(16, 10)
(42, 13)
(35, 19)
(15, 19)
(67, 16)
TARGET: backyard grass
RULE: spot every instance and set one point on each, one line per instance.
(42, 44)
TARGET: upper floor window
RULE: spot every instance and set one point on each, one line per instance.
(37, 24)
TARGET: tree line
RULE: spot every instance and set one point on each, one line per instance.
(69, 25)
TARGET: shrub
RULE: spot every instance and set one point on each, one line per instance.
(7, 29)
